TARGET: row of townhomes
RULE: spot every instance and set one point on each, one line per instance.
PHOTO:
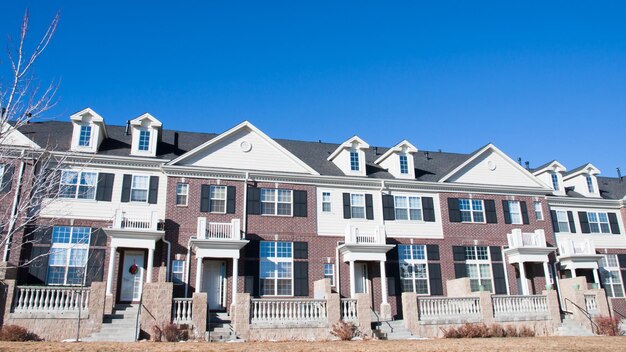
(239, 235)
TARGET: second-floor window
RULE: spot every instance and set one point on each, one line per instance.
(413, 268)
(326, 207)
(139, 188)
(611, 276)
(357, 206)
(354, 160)
(218, 199)
(555, 182)
(276, 202)
(78, 184)
(472, 210)
(144, 140)
(408, 208)
(84, 139)
(404, 164)
(598, 222)
(515, 212)
(589, 184)
(479, 268)
(276, 271)
(67, 261)
(562, 220)
(182, 193)
(538, 210)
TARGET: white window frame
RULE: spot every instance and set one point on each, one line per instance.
(326, 202)
(555, 182)
(408, 207)
(404, 164)
(275, 201)
(473, 210)
(68, 248)
(2, 167)
(561, 218)
(134, 188)
(214, 200)
(79, 178)
(329, 273)
(608, 282)
(538, 210)
(354, 206)
(412, 262)
(355, 162)
(478, 262)
(515, 212)
(180, 272)
(598, 222)
(89, 136)
(140, 145)
(275, 260)
(589, 181)
(182, 190)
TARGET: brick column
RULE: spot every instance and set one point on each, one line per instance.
(97, 297)
(242, 314)
(554, 309)
(603, 304)
(364, 311)
(157, 304)
(486, 307)
(9, 291)
(199, 313)
(409, 312)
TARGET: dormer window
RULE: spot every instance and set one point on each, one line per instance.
(555, 182)
(354, 160)
(144, 140)
(399, 161)
(88, 131)
(349, 157)
(84, 140)
(404, 164)
(589, 183)
(145, 135)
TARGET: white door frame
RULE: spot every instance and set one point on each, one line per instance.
(209, 267)
(138, 277)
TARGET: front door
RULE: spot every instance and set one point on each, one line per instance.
(132, 276)
(212, 279)
(360, 277)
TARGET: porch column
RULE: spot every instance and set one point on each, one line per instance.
(352, 283)
(383, 282)
(150, 265)
(546, 273)
(522, 275)
(235, 279)
(198, 273)
(573, 272)
(596, 278)
(111, 269)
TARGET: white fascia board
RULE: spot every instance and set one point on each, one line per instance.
(410, 148)
(589, 168)
(154, 121)
(348, 144)
(552, 166)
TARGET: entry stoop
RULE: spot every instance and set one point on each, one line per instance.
(570, 327)
(391, 330)
(121, 326)
(219, 328)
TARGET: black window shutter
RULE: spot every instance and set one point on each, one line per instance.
(301, 278)
(524, 209)
(621, 258)
(153, 193)
(458, 253)
(95, 266)
(369, 207)
(38, 265)
(299, 204)
(460, 270)
(499, 280)
(490, 211)
(301, 250)
(205, 204)
(254, 201)
(7, 179)
(231, 192)
(555, 223)
(347, 214)
(496, 253)
(432, 252)
(393, 270)
(507, 211)
(55, 187)
(251, 268)
(453, 210)
(104, 191)
(584, 222)
(614, 224)
(126, 183)
(42, 235)
(98, 238)
(428, 208)
(434, 277)
(389, 211)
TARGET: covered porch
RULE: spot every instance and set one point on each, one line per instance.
(528, 247)
(579, 258)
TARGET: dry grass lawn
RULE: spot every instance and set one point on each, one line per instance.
(539, 344)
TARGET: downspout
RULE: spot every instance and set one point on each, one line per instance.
(245, 205)
(188, 264)
(167, 260)
(337, 263)
(16, 199)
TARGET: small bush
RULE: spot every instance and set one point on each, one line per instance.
(17, 333)
(345, 331)
(525, 331)
(157, 333)
(467, 331)
(169, 332)
(608, 326)
(496, 330)
(510, 331)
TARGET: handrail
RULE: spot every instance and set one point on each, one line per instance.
(138, 315)
(382, 321)
(585, 312)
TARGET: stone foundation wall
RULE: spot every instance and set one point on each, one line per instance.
(157, 305)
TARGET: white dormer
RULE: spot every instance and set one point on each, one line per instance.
(584, 180)
(145, 133)
(350, 157)
(552, 175)
(399, 160)
(88, 132)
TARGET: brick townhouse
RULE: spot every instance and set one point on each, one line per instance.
(242, 213)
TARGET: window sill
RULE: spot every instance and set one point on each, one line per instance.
(181, 205)
(280, 216)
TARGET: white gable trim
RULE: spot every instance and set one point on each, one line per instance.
(12, 134)
(348, 144)
(552, 166)
(410, 148)
(235, 129)
(494, 149)
(587, 169)
(96, 118)
(153, 121)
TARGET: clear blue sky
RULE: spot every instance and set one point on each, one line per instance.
(541, 81)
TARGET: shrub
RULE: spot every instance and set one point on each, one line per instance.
(467, 331)
(17, 333)
(510, 331)
(169, 332)
(608, 326)
(496, 330)
(157, 333)
(525, 331)
(345, 331)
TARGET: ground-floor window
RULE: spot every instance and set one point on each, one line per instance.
(479, 268)
(276, 272)
(329, 273)
(611, 276)
(67, 261)
(413, 268)
(178, 271)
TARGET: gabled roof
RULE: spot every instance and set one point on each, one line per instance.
(154, 122)
(12, 136)
(95, 117)
(548, 166)
(586, 168)
(348, 144)
(410, 148)
(612, 187)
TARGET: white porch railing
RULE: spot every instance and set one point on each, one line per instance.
(146, 221)
(288, 310)
(519, 239)
(449, 308)
(591, 304)
(349, 309)
(570, 248)
(182, 309)
(219, 230)
(356, 235)
(50, 299)
(519, 306)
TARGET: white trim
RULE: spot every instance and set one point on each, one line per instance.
(552, 166)
(410, 148)
(589, 168)
(347, 145)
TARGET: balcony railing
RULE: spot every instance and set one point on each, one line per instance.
(349, 309)
(145, 221)
(288, 310)
(356, 235)
(520, 306)
(462, 309)
(182, 309)
(571, 248)
(50, 299)
(519, 239)
(219, 230)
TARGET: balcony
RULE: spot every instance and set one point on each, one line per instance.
(219, 239)
(527, 246)
(135, 225)
(219, 230)
(578, 254)
(364, 244)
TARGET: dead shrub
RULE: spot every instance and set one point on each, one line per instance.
(467, 331)
(608, 326)
(17, 333)
(525, 331)
(345, 331)
(496, 330)
(169, 332)
(510, 331)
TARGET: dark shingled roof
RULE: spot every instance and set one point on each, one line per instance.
(612, 187)
(541, 166)
(575, 170)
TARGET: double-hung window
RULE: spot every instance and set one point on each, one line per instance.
(598, 222)
(611, 276)
(472, 210)
(555, 182)
(178, 271)
(479, 268)
(78, 184)
(144, 140)
(589, 183)
(1, 171)
(404, 164)
(563, 222)
(182, 193)
(67, 261)
(538, 210)
(329, 273)
(276, 202)
(326, 207)
(354, 161)
(408, 208)
(84, 139)
(413, 268)
(357, 206)
(139, 188)
(218, 199)
(515, 212)
(276, 271)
